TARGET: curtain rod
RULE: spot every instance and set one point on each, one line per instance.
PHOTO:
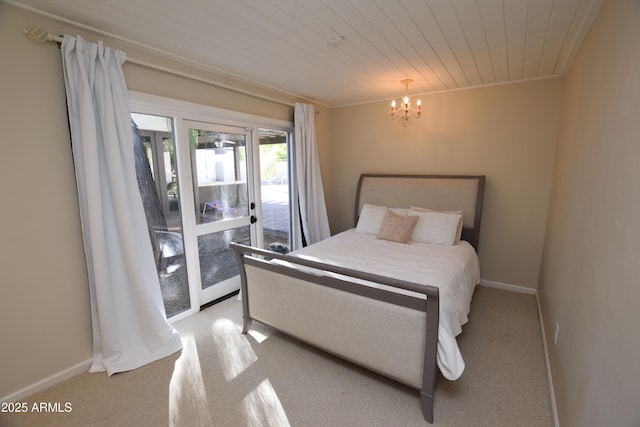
(38, 35)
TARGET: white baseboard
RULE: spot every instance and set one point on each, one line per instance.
(554, 408)
(507, 287)
(48, 382)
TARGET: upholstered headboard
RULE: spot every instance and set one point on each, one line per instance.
(438, 192)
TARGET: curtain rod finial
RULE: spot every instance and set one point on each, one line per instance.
(37, 34)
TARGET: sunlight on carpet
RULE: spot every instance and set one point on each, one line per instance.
(263, 408)
(258, 336)
(235, 350)
(188, 397)
(186, 389)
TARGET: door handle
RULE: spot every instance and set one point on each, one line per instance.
(253, 219)
(252, 205)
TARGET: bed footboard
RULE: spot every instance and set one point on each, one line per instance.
(393, 334)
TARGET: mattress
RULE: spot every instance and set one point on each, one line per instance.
(453, 269)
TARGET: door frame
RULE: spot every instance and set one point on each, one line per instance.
(182, 110)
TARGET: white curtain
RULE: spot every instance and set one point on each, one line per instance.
(313, 211)
(130, 327)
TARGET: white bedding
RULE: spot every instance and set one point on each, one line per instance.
(453, 269)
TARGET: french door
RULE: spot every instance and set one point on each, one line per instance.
(207, 184)
(223, 204)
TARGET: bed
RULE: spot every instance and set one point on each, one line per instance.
(392, 305)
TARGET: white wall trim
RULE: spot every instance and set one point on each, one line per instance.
(48, 382)
(507, 287)
(554, 408)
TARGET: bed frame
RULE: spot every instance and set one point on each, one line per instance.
(295, 295)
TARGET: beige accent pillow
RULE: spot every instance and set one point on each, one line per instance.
(397, 228)
(460, 223)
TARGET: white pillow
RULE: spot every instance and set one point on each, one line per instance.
(399, 211)
(460, 224)
(436, 227)
(371, 217)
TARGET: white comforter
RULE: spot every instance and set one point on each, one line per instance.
(453, 269)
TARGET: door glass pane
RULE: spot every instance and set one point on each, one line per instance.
(274, 184)
(217, 261)
(155, 159)
(219, 175)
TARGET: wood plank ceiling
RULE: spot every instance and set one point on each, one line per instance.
(287, 44)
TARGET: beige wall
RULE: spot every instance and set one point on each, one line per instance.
(44, 314)
(507, 133)
(589, 277)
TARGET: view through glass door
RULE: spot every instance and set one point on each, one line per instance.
(275, 190)
(222, 193)
(198, 181)
(156, 169)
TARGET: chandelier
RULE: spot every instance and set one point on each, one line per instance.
(405, 114)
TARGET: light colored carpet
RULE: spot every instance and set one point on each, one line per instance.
(223, 378)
